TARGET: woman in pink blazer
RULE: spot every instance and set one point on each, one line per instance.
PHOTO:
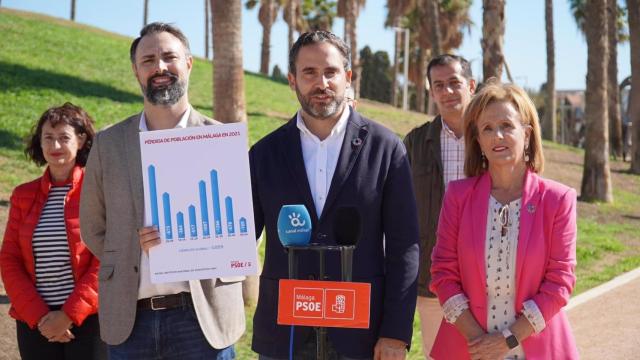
(504, 263)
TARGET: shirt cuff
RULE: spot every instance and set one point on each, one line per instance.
(532, 312)
(454, 307)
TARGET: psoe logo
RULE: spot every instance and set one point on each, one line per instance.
(295, 220)
(236, 264)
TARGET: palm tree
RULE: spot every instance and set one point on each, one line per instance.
(596, 178)
(319, 14)
(492, 38)
(207, 12)
(549, 123)
(615, 119)
(73, 10)
(145, 17)
(633, 7)
(433, 10)
(267, 16)
(350, 10)
(228, 75)
(292, 14)
(396, 10)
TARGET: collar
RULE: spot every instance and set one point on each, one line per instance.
(181, 124)
(448, 132)
(338, 128)
(74, 179)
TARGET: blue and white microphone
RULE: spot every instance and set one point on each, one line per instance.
(294, 229)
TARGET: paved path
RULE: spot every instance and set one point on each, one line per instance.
(606, 319)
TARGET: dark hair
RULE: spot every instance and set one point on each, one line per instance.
(67, 114)
(447, 59)
(316, 37)
(158, 27)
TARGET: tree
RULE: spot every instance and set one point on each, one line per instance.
(73, 10)
(433, 10)
(633, 7)
(207, 22)
(350, 10)
(549, 124)
(319, 14)
(596, 178)
(615, 118)
(228, 74)
(267, 16)
(396, 10)
(145, 17)
(492, 38)
(375, 80)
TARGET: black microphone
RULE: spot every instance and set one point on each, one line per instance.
(347, 229)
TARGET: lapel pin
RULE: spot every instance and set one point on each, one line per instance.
(531, 208)
(356, 141)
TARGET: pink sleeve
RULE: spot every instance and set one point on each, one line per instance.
(445, 272)
(559, 278)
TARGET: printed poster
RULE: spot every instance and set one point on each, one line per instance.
(197, 191)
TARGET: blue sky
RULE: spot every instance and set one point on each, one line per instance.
(525, 48)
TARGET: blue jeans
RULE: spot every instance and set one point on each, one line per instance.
(168, 334)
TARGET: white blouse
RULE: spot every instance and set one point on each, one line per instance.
(503, 223)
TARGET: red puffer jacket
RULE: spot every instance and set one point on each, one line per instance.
(17, 261)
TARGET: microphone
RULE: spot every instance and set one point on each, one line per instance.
(347, 229)
(294, 225)
(294, 229)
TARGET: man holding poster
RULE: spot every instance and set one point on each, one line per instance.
(140, 319)
(328, 157)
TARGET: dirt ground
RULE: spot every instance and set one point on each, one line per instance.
(561, 165)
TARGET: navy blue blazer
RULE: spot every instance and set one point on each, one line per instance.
(372, 174)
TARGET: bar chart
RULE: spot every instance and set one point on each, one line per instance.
(197, 193)
(195, 224)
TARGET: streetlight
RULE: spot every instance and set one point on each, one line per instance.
(405, 86)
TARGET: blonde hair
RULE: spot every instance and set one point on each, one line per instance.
(494, 91)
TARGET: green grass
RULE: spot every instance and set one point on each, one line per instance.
(45, 62)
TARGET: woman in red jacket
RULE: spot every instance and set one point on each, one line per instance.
(49, 275)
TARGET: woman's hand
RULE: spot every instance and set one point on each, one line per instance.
(63, 338)
(488, 346)
(55, 325)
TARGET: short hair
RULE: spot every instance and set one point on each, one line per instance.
(448, 59)
(67, 114)
(316, 37)
(493, 91)
(158, 27)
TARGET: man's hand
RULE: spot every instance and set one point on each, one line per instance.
(149, 237)
(54, 325)
(389, 349)
(488, 346)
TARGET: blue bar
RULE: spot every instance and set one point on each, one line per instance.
(215, 194)
(166, 204)
(204, 210)
(180, 221)
(153, 195)
(192, 222)
(228, 203)
(243, 226)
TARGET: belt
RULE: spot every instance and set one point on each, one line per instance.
(162, 302)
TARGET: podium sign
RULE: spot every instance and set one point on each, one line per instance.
(324, 303)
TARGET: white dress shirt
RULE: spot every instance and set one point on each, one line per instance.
(147, 289)
(321, 157)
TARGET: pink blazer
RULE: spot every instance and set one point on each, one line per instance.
(545, 262)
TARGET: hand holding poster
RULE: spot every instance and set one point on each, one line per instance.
(197, 191)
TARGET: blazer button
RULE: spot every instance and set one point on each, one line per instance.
(321, 236)
(135, 268)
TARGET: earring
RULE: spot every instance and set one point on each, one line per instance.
(484, 160)
(526, 154)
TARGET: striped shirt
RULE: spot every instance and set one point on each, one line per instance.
(452, 152)
(54, 278)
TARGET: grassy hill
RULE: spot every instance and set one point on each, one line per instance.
(45, 62)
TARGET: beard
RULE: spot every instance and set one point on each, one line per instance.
(164, 94)
(321, 111)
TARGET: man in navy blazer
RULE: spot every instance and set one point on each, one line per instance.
(325, 157)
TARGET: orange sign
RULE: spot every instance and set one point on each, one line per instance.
(324, 303)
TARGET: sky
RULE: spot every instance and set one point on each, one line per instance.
(524, 48)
